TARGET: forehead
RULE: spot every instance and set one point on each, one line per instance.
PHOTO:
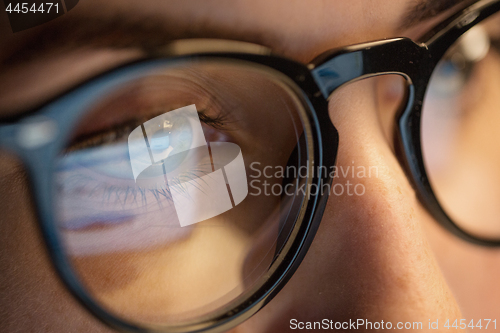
(97, 35)
(276, 23)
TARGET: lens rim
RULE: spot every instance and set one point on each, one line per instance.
(66, 110)
(409, 137)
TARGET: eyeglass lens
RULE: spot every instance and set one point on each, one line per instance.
(178, 189)
(460, 135)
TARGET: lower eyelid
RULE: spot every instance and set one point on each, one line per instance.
(214, 123)
(102, 202)
(139, 232)
(92, 184)
(143, 99)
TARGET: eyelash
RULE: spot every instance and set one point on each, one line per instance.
(116, 133)
(132, 197)
(134, 191)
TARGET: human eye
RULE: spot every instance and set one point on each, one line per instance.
(94, 170)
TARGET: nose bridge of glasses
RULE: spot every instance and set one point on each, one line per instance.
(399, 56)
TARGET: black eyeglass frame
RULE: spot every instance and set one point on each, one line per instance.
(313, 83)
(66, 111)
(416, 63)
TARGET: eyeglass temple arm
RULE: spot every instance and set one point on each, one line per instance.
(401, 56)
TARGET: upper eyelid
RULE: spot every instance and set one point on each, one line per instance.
(179, 48)
(169, 50)
(218, 122)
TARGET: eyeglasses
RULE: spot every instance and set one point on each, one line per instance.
(179, 193)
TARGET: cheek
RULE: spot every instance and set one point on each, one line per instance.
(471, 271)
(32, 295)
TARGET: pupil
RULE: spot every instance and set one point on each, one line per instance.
(160, 140)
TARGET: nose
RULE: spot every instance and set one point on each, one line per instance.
(370, 259)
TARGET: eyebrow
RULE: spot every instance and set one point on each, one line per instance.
(149, 32)
(146, 32)
(113, 31)
(426, 9)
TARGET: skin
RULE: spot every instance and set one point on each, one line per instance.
(379, 256)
